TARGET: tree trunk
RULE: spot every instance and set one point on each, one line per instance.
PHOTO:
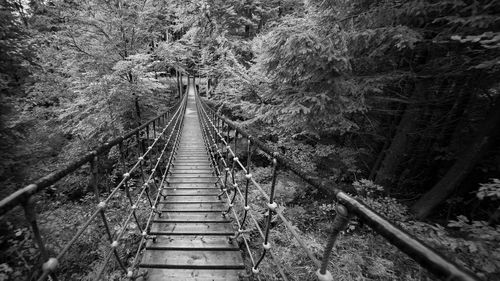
(376, 165)
(137, 109)
(462, 167)
(456, 113)
(378, 161)
(395, 153)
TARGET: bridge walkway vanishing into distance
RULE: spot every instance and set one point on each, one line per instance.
(189, 206)
(191, 234)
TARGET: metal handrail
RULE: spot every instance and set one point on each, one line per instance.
(413, 247)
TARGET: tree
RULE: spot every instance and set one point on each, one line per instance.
(15, 51)
(466, 161)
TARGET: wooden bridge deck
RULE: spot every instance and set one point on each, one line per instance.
(192, 236)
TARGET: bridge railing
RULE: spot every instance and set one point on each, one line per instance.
(152, 162)
(216, 130)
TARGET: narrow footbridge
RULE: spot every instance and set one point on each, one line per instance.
(191, 236)
(189, 207)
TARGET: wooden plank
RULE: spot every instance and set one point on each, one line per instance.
(197, 159)
(212, 191)
(224, 228)
(192, 180)
(192, 243)
(190, 216)
(192, 198)
(176, 177)
(192, 201)
(190, 160)
(187, 173)
(194, 210)
(191, 185)
(191, 166)
(192, 206)
(197, 163)
(194, 143)
(193, 259)
(192, 157)
(188, 170)
(203, 160)
(194, 274)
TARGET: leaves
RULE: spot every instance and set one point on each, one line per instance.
(489, 190)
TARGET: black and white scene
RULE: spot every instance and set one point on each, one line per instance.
(249, 140)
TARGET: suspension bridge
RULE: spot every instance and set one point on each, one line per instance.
(192, 208)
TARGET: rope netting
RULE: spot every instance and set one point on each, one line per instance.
(217, 132)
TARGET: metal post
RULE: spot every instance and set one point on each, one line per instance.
(93, 172)
(51, 264)
(339, 223)
(102, 206)
(248, 176)
(272, 208)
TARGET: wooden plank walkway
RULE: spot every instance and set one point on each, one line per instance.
(192, 236)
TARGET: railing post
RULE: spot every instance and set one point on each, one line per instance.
(151, 152)
(154, 128)
(122, 157)
(272, 208)
(228, 146)
(102, 206)
(339, 223)
(133, 206)
(94, 174)
(248, 176)
(181, 86)
(49, 265)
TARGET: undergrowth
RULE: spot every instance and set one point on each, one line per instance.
(360, 253)
(59, 219)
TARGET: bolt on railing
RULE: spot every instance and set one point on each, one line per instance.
(171, 121)
(216, 132)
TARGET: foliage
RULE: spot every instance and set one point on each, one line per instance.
(91, 78)
(360, 251)
(75, 74)
(345, 74)
(372, 195)
(478, 238)
(15, 46)
(59, 220)
(489, 190)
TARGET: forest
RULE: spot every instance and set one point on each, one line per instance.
(396, 102)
